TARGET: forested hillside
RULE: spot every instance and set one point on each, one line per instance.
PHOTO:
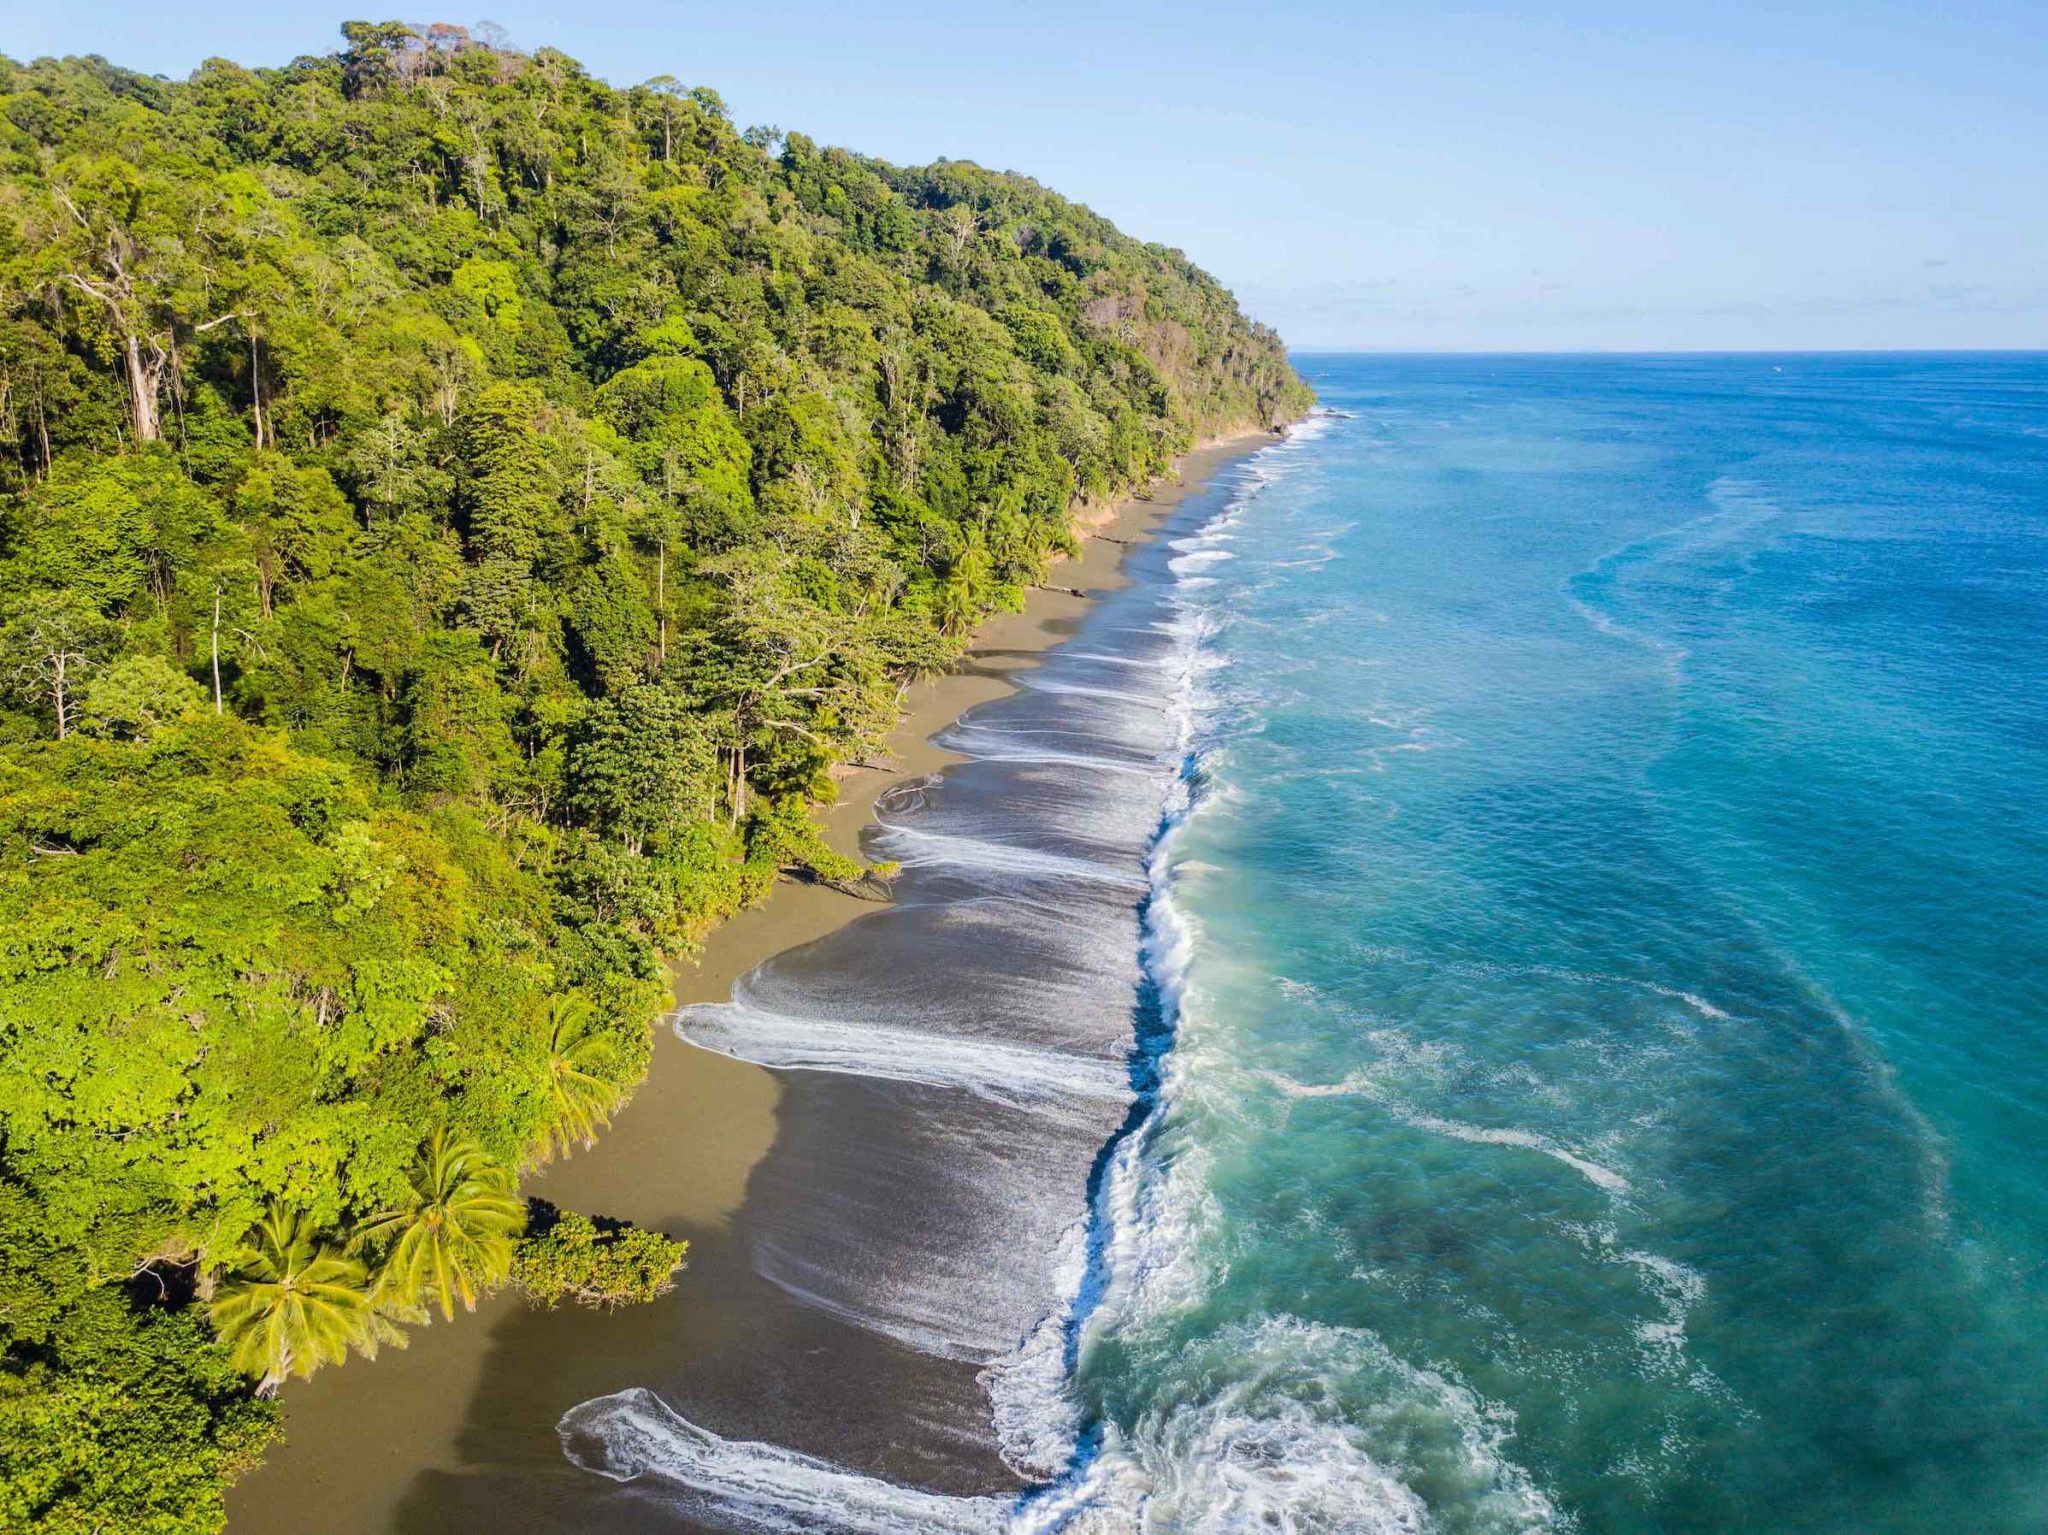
(453, 514)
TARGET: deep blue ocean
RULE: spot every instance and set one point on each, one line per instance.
(1500, 985)
(1610, 1089)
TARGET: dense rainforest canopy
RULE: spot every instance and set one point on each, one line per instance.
(453, 515)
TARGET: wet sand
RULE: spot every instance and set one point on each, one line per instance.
(458, 1432)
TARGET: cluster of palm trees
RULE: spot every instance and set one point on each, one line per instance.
(294, 1299)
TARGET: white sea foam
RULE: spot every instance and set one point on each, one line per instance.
(1037, 1420)
(1060, 688)
(914, 847)
(992, 746)
(1317, 423)
(1104, 658)
(1310, 1430)
(1358, 1084)
(764, 1487)
(1269, 1450)
(942, 1337)
(1678, 1289)
(1001, 1071)
(1697, 1003)
(1528, 1140)
(1365, 1085)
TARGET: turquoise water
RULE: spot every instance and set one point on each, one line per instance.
(1608, 955)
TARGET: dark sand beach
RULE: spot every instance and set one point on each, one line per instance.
(459, 1431)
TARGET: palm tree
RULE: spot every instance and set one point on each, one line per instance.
(965, 591)
(451, 1235)
(581, 1099)
(291, 1303)
(954, 607)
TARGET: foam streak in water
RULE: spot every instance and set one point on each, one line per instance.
(913, 847)
(764, 1487)
(1363, 1085)
(995, 1069)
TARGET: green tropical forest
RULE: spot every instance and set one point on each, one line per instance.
(454, 514)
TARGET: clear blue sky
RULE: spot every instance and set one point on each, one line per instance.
(1720, 173)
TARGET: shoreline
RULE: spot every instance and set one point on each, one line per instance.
(679, 1154)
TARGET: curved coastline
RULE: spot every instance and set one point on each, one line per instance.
(461, 1428)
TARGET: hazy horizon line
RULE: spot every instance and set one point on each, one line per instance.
(1325, 350)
